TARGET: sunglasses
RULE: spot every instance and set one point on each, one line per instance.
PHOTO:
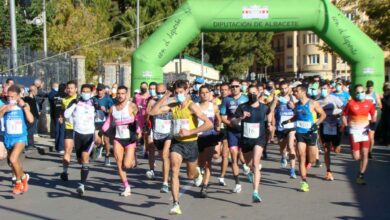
(235, 86)
(360, 92)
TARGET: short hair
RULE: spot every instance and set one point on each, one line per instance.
(88, 86)
(284, 82)
(144, 83)
(70, 82)
(204, 87)
(152, 84)
(253, 86)
(123, 88)
(181, 84)
(357, 86)
(225, 84)
(234, 79)
(9, 79)
(302, 88)
(369, 83)
(14, 88)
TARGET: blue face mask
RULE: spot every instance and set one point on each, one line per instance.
(314, 93)
(55, 89)
(160, 96)
(180, 97)
(333, 85)
(310, 92)
(282, 100)
(152, 92)
(85, 96)
(360, 96)
(244, 88)
(338, 88)
(324, 93)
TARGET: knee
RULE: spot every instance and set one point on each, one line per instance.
(12, 160)
(128, 165)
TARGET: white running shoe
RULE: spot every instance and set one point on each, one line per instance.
(198, 181)
(127, 192)
(150, 174)
(221, 181)
(81, 190)
(246, 169)
(237, 189)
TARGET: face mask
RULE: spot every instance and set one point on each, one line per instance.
(180, 97)
(282, 100)
(160, 96)
(85, 96)
(197, 87)
(314, 93)
(310, 92)
(324, 93)
(333, 85)
(113, 90)
(152, 92)
(252, 98)
(143, 90)
(55, 89)
(12, 102)
(338, 88)
(244, 88)
(360, 96)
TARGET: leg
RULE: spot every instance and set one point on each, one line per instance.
(291, 147)
(327, 155)
(235, 169)
(14, 160)
(151, 152)
(118, 154)
(176, 160)
(364, 160)
(225, 158)
(312, 153)
(164, 154)
(206, 157)
(257, 151)
(302, 160)
(67, 155)
(129, 161)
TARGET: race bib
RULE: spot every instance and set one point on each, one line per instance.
(122, 132)
(100, 116)
(288, 125)
(359, 135)
(330, 129)
(14, 126)
(180, 124)
(163, 126)
(304, 124)
(251, 130)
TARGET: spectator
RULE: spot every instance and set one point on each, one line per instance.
(59, 127)
(50, 96)
(32, 127)
(40, 97)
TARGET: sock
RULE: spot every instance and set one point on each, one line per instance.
(126, 184)
(65, 168)
(361, 175)
(237, 179)
(304, 179)
(84, 173)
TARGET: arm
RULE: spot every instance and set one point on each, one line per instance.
(195, 109)
(218, 118)
(3, 110)
(26, 110)
(317, 108)
(159, 108)
(379, 101)
(68, 112)
(107, 123)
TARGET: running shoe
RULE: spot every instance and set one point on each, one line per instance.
(283, 162)
(99, 152)
(304, 187)
(198, 180)
(260, 167)
(150, 174)
(237, 188)
(164, 188)
(221, 181)
(126, 192)
(360, 180)
(308, 166)
(256, 197)
(246, 169)
(25, 182)
(13, 181)
(337, 149)
(64, 176)
(80, 190)
(318, 163)
(292, 173)
(329, 176)
(175, 210)
(18, 188)
(203, 192)
(250, 177)
(107, 161)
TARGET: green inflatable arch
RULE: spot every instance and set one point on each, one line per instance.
(320, 16)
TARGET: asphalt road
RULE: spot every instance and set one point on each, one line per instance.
(50, 198)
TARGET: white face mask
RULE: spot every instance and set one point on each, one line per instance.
(13, 102)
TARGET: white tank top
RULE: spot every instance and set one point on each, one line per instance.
(122, 120)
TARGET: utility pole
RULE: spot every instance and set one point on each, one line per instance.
(44, 29)
(14, 42)
(137, 23)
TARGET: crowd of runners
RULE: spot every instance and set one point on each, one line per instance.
(196, 123)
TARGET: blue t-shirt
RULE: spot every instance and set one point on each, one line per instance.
(229, 105)
(106, 101)
(15, 123)
(344, 96)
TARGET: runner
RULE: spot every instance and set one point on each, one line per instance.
(184, 146)
(148, 132)
(123, 114)
(207, 140)
(82, 112)
(141, 101)
(253, 117)
(341, 93)
(228, 108)
(305, 115)
(71, 89)
(283, 106)
(376, 100)
(16, 114)
(329, 131)
(356, 117)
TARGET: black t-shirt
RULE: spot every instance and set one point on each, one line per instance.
(32, 102)
(253, 127)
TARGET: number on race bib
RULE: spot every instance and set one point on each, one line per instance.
(14, 126)
(179, 124)
(359, 135)
(304, 124)
(251, 130)
(163, 126)
(286, 118)
(330, 129)
(122, 132)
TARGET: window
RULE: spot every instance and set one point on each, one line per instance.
(326, 58)
(311, 39)
(289, 41)
(289, 62)
(313, 59)
(304, 39)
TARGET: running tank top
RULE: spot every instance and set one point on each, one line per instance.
(83, 117)
(305, 118)
(184, 119)
(283, 113)
(15, 123)
(162, 126)
(122, 121)
(210, 113)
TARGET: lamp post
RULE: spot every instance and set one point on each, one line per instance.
(14, 41)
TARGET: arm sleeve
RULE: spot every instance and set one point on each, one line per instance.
(222, 107)
(372, 110)
(68, 112)
(107, 124)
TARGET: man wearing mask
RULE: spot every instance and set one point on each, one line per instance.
(141, 101)
(50, 96)
(32, 127)
(147, 132)
(341, 93)
(244, 87)
(329, 131)
(356, 116)
(199, 81)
